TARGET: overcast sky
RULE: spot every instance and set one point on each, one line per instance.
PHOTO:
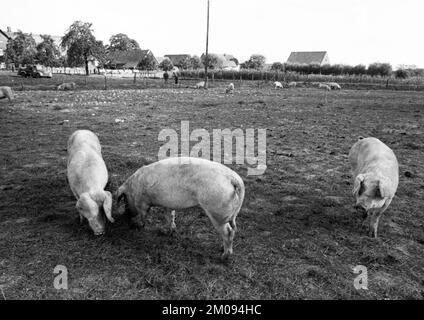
(351, 31)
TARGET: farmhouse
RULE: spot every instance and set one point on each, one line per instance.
(9, 34)
(309, 57)
(128, 59)
(4, 37)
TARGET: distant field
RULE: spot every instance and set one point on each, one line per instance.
(298, 238)
(257, 80)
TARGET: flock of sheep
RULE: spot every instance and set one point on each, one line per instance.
(184, 182)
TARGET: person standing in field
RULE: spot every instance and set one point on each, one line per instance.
(175, 74)
(165, 76)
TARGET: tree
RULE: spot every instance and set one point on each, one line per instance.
(256, 61)
(401, 74)
(81, 44)
(359, 69)
(148, 63)
(379, 69)
(195, 62)
(211, 60)
(121, 42)
(166, 65)
(185, 63)
(48, 53)
(277, 66)
(21, 49)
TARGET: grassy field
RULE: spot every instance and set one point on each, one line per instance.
(299, 236)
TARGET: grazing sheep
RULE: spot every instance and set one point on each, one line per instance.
(278, 85)
(375, 172)
(66, 86)
(324, 86)
(184, 182)
(6, 92)
(230, 88)
(87, 176)
(334, 85)
(200, 85)
(292, 84)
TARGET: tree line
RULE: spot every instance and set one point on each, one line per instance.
(80, 46)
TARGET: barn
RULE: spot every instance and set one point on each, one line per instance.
(128, 59)
(309, 57)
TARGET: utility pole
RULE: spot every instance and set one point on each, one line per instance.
(207, 44)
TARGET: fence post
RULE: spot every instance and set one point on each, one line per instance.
(135, 75)
(105, 82)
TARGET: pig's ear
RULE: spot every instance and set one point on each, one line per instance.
(107, 205)
(84, 205)
(383, 188)
(358, 183)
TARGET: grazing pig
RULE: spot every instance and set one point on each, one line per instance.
(200, 85)
(278, 85)
(66, 86)
(230, 88)
(376, 175)
(334, 86)
(184, 182)
(87, 176)
(6, 92)
(324, 86)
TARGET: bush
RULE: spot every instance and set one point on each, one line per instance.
(401, 74)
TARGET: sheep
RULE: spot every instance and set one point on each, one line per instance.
(292, 84)
(375, 173)
(230, 88)
(324, 86)
(184, 182)
(66, 86)
(278, 85)
(87, 177)
(6, 92)
(334, 85)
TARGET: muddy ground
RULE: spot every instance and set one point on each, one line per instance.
(299, 236)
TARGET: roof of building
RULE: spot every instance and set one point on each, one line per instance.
(128, 59)
(307, 57)
(225, 60)
(176, 59)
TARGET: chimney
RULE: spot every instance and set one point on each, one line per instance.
(9, 30)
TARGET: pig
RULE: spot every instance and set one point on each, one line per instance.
(87, 177)
(375, 172)
(184, 182)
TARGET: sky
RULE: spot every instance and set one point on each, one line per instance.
(351, 31)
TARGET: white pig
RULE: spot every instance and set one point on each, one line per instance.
(184, 182)
(375, 172)
(87, 176)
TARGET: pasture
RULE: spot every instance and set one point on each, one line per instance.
(298, 234)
